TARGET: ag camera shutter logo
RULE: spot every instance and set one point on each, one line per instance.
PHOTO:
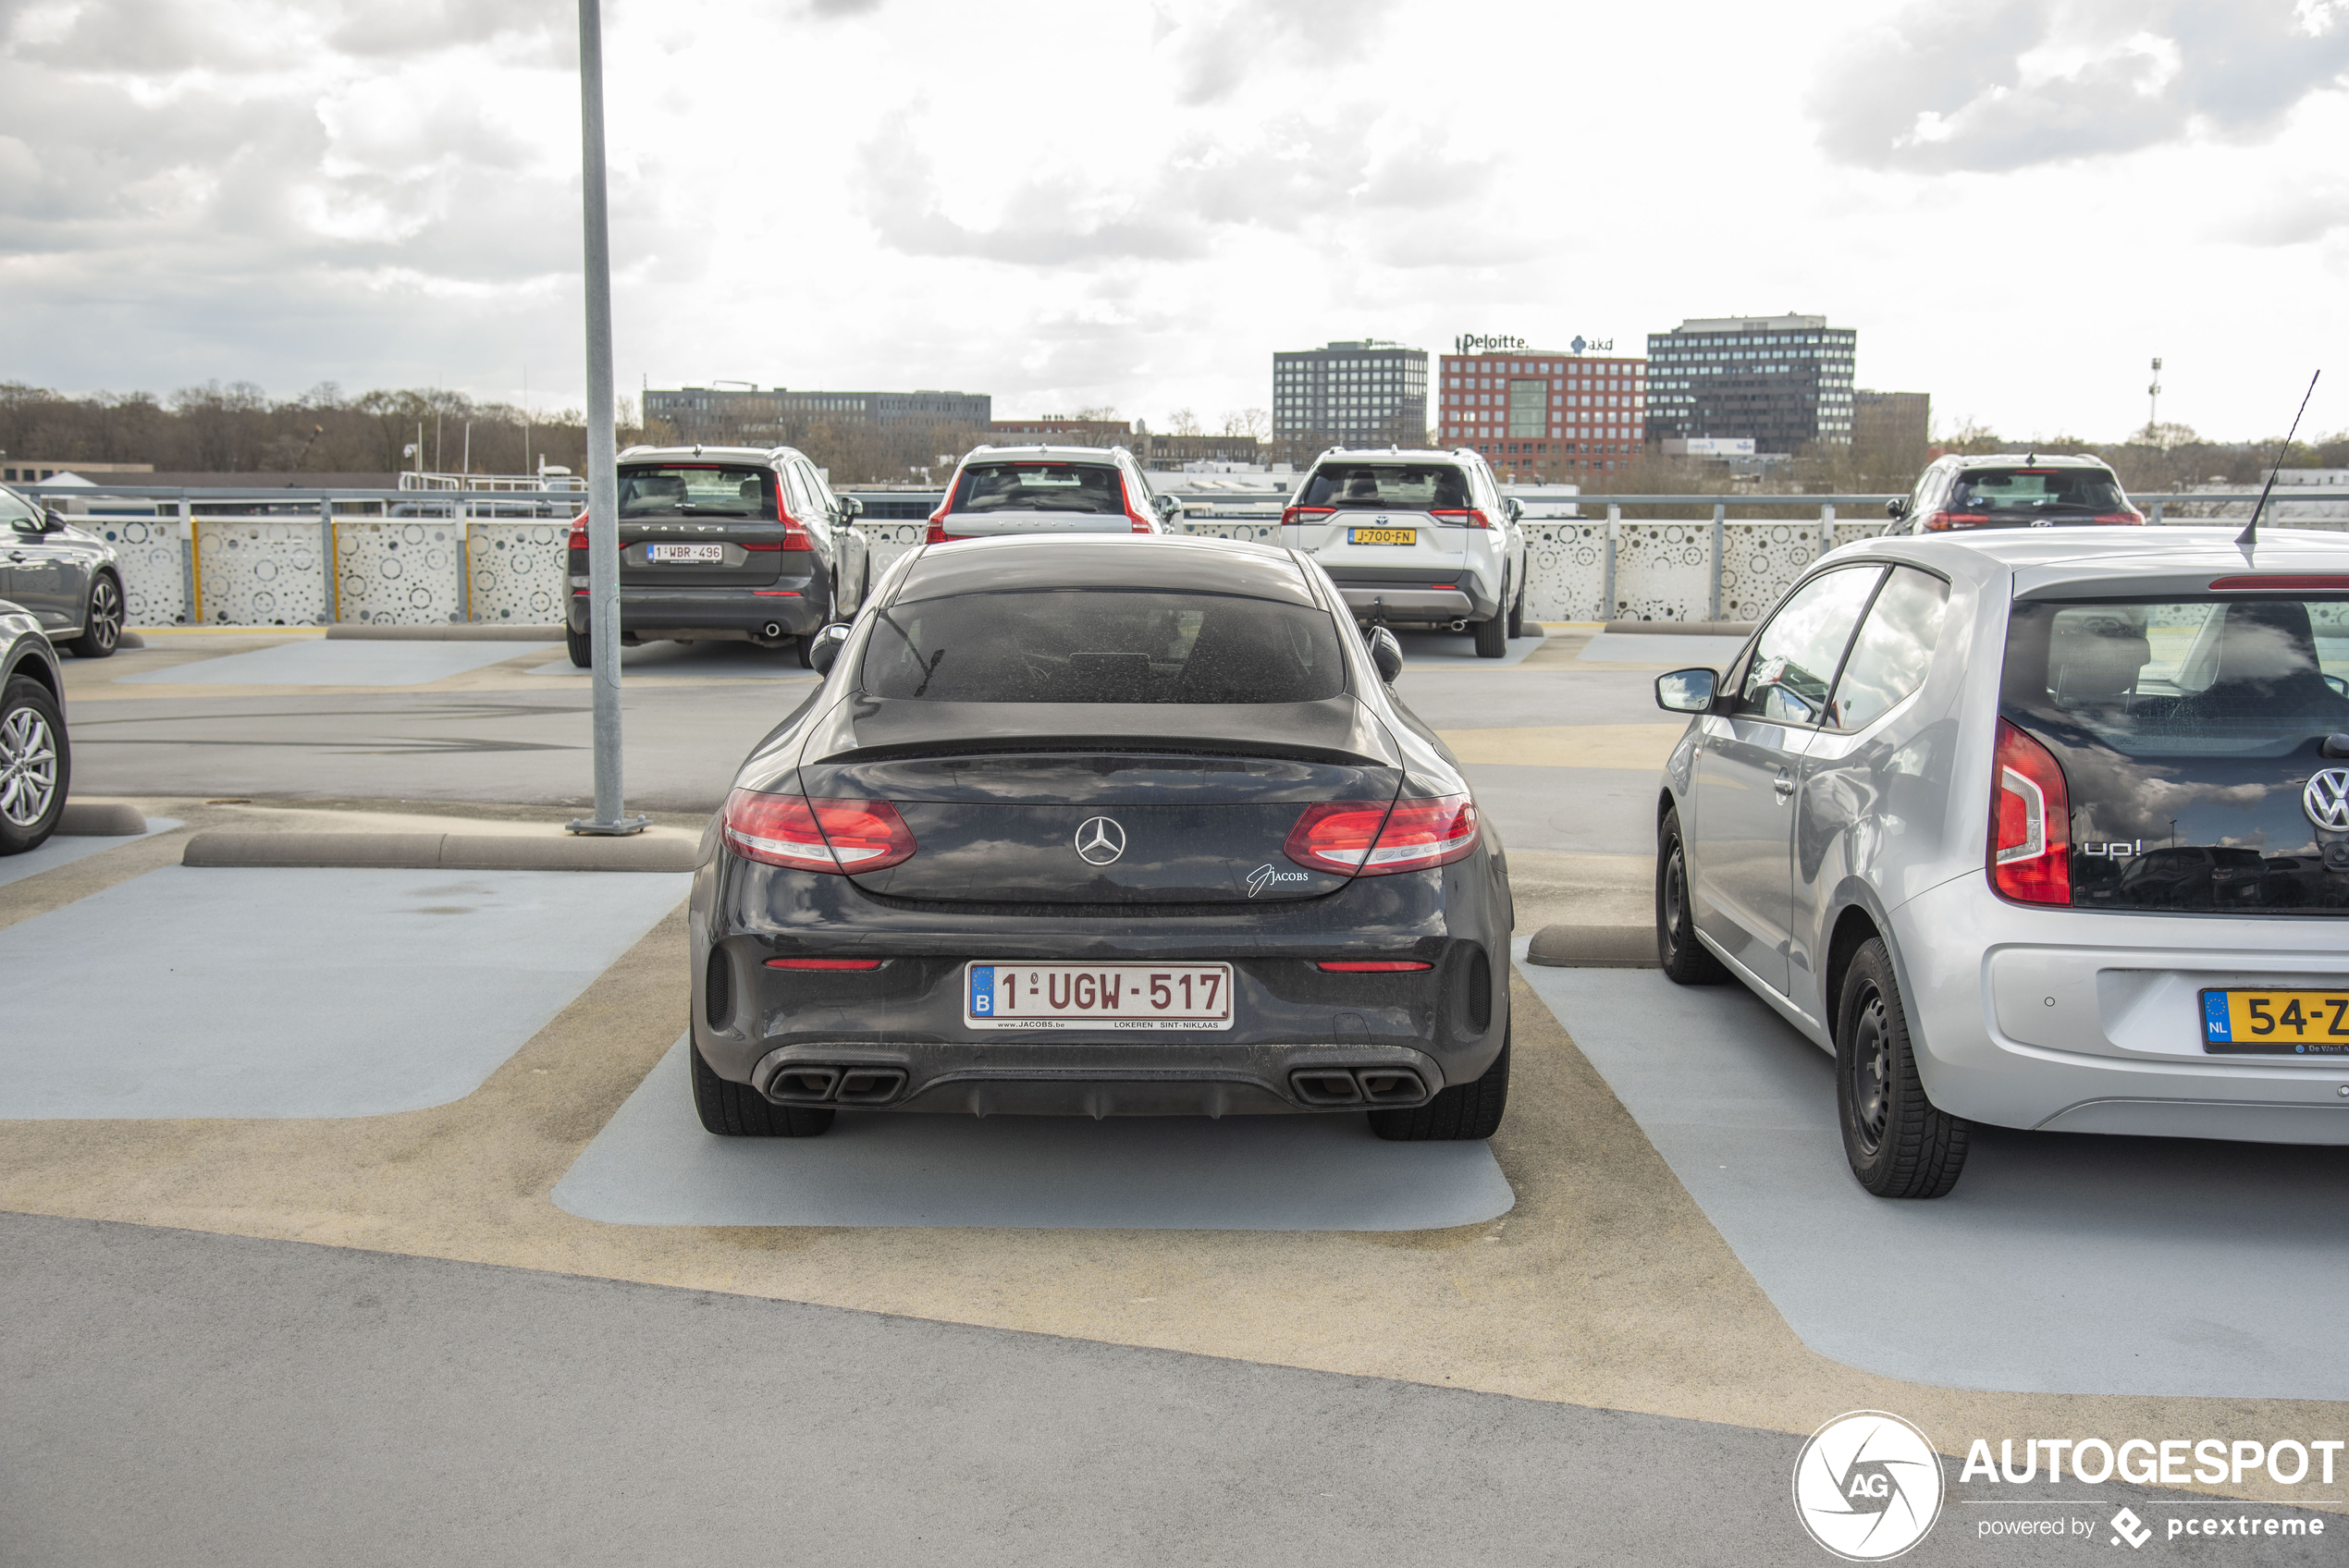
(1868, 1485)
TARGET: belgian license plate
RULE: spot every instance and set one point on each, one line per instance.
(2275, 1023)
(708, 555)
(1384, 535)
(1097, 996)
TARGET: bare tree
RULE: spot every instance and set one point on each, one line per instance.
(1183, 422)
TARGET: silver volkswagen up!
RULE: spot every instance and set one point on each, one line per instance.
(2041, 828)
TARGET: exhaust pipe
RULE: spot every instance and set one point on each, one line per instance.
(1456, 625)
(772, 629)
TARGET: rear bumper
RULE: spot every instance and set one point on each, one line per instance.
(2090, 1022)
(895, 1038)
(1409, 603)
(794, 605)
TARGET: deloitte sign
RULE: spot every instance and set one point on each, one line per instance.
(1481, 343)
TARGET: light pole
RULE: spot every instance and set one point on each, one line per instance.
(603, 482)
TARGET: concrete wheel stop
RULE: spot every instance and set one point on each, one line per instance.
(1594, 946)
(445, 631)
(100, 819)
(446, 851)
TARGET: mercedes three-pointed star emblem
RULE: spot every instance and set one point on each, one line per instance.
(1100, 840)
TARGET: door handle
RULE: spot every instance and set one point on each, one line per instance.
(1782, 786)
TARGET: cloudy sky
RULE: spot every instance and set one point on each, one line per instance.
(1070, 202)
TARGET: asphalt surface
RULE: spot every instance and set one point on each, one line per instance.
(175, 1398)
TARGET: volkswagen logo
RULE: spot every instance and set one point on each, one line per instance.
(1100, 840)
(2325, 799)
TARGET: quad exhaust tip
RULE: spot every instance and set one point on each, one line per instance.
(1357, 1086)
(801, 1084)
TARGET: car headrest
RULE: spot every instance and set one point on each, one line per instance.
(2091, 659)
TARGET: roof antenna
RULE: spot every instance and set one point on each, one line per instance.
(2250, 535)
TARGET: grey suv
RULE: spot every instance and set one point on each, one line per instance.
(721, 544)
(36, 764)
(2013, 490)
(67, 580)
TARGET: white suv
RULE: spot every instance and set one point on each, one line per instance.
(999, 490)
(1419, 539)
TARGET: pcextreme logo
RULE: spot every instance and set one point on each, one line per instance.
(1868, 1485)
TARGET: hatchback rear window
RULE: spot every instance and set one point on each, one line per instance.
(1039, 488)
(2189, 733)
(1103, 645)
(696, 490)
(2037, 492)
(1403, 487)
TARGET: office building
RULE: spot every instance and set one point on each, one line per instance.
(1541, 412)
(747, 416)
(1052, 430)
(1350, 393)
(1785, 380)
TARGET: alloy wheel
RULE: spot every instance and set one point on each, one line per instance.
(104, 626)
(28, 767)
(1871, 1071)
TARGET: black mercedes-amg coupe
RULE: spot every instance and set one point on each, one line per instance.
(1127, 827)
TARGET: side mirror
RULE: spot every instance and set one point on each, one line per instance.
(1386, 653)
(824, 651)
(1168, 509)
(1686, 690)
(31, 525)
(1515, 508)
(851, 508)
(1896, 508)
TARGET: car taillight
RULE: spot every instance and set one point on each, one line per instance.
(827, 964)
(578, 535)
(1946, 519)
(1370, 966)
(804, 835)
(1365, 839)
(2281, 584)
(1463, 517)
(2030, 822)
(1305, 514)
(2131, 518)
(795, 535)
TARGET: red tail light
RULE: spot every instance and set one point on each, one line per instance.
(804, 835)
(2128, 519)
(823, 963)
(1305, 514)
(1466, 517)
(1942, 519)
(2280, 584)
(795, 535)
(1365, 839)
(578, 535)
(1369, 967)
(2030, 822)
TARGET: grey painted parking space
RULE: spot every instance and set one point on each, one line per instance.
(1449, 698)
(1440, 650)
(1662, 647)
(654, 1165)
(2062, 1263)
(699, 661)
(62, 851)
(180, 1398)
(223, 992)
(318, 661)
(1590, 811)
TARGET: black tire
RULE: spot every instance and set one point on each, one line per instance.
(1682, 957)
(101, 621)
(737, 1110)
(1459, 1114)
(1517, 614)
(1900, 1143)
(1493, 637)
(583, 648)
(36, 766)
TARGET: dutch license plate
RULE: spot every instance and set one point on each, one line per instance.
(710, 555)
(2275, 1023)
(1097, 996)
(1384, 535)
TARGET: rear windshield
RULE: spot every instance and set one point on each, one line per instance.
(2037, 491)
(696, 490)
(1103, 645)
(2189, 732)
(1403, 487)
(1039, 488)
